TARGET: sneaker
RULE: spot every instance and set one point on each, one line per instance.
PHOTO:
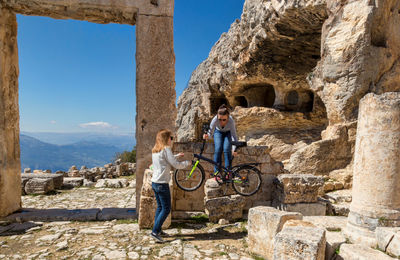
(157, 238)
(163, 234)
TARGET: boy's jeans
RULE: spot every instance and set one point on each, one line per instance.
(222, 142)
(163, 197)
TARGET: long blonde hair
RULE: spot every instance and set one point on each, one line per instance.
(162, 139)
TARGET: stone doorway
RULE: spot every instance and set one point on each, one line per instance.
(155, 75)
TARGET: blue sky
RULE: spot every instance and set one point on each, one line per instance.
(77, 76)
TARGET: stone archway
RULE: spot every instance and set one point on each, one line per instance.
(155, 75)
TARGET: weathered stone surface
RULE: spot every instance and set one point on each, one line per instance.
(10, 165)
(226, 207)
(114, 213)
(296, 188)
(39, 186)
(249, 69)
(213, 190)
(148, 203)
(361, 252)
(155, 84)
(263, 224)
(333, 242)
(306, 209)
(388, 239)
(300, 242)
(73, 182)
(54, 215)
(330, 223)
(57, 178)
(103, 11)
(112, 183)
(376, 166)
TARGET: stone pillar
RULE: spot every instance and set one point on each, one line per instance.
(10, 166)
(155, 86)
(376, 183)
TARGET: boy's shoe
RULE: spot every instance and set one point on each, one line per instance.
(157, 238)
(163, 234)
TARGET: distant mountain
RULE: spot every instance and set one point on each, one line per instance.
(123, 141)
(36, 154)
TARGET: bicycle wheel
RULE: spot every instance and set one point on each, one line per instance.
(246, 180)
(190, 180)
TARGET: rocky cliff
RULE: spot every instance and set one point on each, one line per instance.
(293, 72)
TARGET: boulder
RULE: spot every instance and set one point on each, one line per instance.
(360, 252)
(213, 190)
(112, 183)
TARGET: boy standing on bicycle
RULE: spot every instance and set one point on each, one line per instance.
(223, 129)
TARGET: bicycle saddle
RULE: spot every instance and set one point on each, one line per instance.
(239, 144)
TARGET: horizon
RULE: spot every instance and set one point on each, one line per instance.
(78, 77)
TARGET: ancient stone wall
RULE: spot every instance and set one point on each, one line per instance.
(10, 166)
(194, 201)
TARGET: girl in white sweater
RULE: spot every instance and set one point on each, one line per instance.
(163, 159)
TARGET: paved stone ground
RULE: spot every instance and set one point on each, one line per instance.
(117, 239)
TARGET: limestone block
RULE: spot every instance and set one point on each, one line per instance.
(226, 207)
(263, 224)
(112, 183)
(300, 242)
(213, 190)
(57, 178)
(71, 182)
(27, 170)
(23, 183)
(306, 209)
(294, 188)
(39, 186)
(333, 241)
(394, 246)
(361, 252)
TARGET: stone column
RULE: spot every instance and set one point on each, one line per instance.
(155, 86)
(10, 167)
(376, 183)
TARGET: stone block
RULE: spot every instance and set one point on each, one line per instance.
(71, 182)
(23, 183)
(227, 207)
(213, 190)
(107, 214)
(296, 188)
(385, 235)
(39, 186)
(306, 209)
(263, 224)
(57, 178)
(333, 241)
(300, 242)
(361, 252)
(112, 183)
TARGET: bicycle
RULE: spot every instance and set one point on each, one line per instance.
(245, 178)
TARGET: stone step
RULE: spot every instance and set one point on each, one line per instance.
(359, 252)
(49, 215)
(339, 209)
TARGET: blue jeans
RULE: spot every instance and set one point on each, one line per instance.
(163, 197)
(222, 142)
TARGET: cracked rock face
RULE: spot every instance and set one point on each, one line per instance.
(290, 69)
(259, 67)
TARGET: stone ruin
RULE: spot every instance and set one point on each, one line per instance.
(43, 182)
(314, 89)
(155, 82)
